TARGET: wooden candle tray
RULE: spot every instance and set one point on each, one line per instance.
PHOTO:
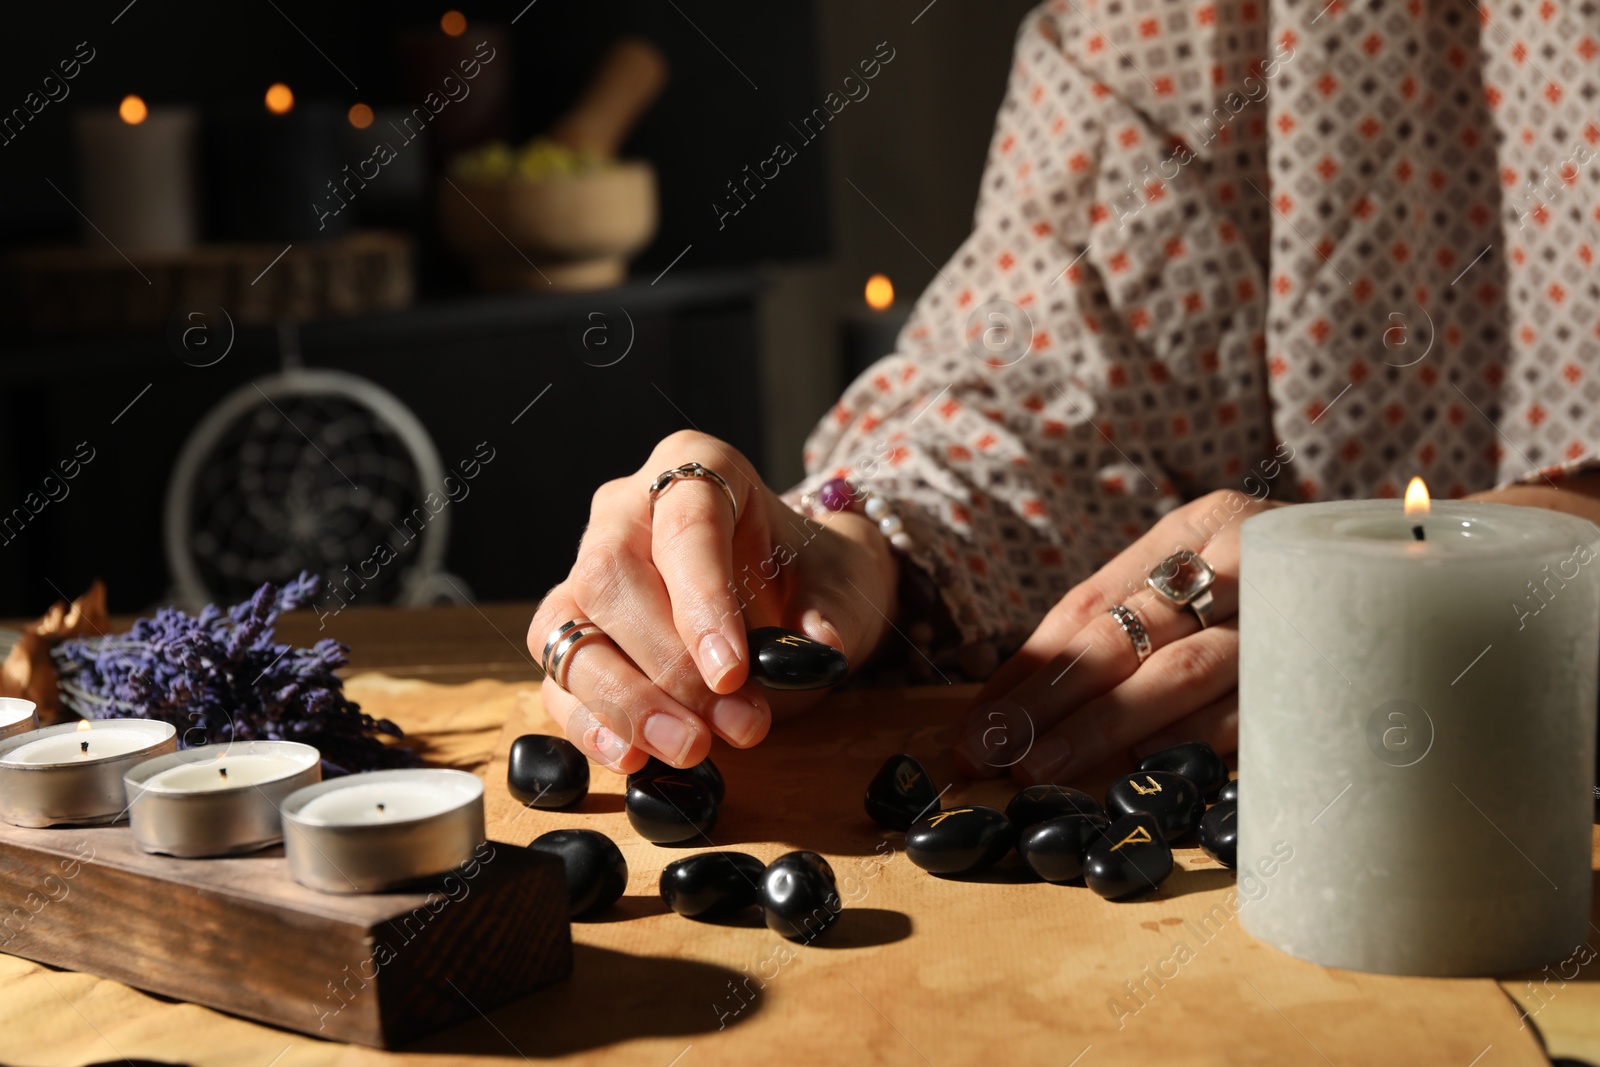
(238, 934)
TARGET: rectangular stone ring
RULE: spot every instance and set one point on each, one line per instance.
(1184, 580)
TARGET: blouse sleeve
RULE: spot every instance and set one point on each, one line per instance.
(1089, 356)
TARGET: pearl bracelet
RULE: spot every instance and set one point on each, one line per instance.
(838, 494)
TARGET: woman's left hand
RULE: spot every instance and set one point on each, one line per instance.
(1076, 693)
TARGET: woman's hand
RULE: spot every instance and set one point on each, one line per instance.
(676, 593)
(1076, 694)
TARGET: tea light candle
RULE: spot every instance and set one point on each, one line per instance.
(368, 832)
(72, 773)
(17, 716)
(1417, 729)
(217, 800)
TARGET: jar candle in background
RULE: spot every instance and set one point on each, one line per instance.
(136, 176)
(274, 167)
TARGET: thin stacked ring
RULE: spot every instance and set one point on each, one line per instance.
(558, 648)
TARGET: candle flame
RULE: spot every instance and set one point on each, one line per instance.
(453, 23)
(83, 726)
(1416, 499)
(280, 101)
(879, 292)
(132, 110)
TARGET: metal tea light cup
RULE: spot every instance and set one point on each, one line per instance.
(356, 854)
(84, 792)
(177, 819)
(17, 716)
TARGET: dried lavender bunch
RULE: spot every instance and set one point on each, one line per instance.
(220, 677)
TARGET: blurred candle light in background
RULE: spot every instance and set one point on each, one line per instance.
(880, 292)
(136, 175)
(871, 332)
(280, 100)
(132, 110)
(453, 23)
(360, 116)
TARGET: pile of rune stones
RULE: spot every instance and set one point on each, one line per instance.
(1062, 835)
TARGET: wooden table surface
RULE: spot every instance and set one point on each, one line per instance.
(918, 971)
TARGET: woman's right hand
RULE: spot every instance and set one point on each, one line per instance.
(676, 593)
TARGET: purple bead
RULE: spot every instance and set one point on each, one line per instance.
(836, 494)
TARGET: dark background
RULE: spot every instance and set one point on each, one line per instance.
(741, 338)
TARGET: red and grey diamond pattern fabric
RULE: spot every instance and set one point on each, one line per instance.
(1214, 234)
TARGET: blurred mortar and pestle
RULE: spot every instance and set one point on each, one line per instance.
(562, 212)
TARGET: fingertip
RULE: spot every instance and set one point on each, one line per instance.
(742, 719)
(680, 741)
(722, 661)
(817, 626)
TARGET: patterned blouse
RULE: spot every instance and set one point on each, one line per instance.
(1297, 249)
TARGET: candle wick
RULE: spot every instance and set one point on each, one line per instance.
(223, 771)
(83, 746)
(380, 807)
(1417, 532)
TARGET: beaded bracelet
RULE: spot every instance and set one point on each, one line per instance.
(838, 494)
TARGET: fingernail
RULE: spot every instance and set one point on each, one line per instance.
(816, 626)
(669, 735)
(717, 658)
(737, 718)
(606, 745)
(1048, 762)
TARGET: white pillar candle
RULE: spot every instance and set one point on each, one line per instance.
(136, 173)
(1417, 734)
(369, 832)
(72, 773)
(218, 799)
(17, 716)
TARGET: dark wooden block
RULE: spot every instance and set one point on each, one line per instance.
(238, 934)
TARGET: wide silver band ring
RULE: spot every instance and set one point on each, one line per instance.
(1184, 580)
(1134, 629)
(558, 648)
(700, 471)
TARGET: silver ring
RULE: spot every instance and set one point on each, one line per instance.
(1184, 580)
(558, 648)
(1134, 629)
(691, 470)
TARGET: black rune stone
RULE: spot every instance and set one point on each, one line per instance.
(799, 896)
(712, 884)
(1171, 798)
(1040, 802)
(705, 771)
(596, 871)
(1130, 859)
(1054, 849)
(1229, 791)
(547, 772)
(1219, 832)
(783, 659)
(1195, 760)
(959, 840)
(900, 794)
(671, 809)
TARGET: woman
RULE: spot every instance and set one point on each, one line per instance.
(1227, 255)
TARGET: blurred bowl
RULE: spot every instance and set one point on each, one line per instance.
(567, 231)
